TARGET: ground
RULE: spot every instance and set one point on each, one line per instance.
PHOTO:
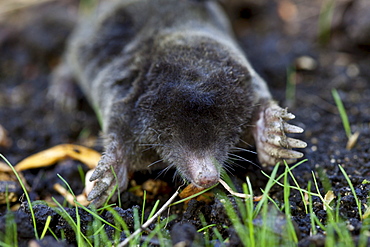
(279, 38)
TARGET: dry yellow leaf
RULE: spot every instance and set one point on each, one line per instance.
(352, 140)
(82, 199)
(88, 184)
(367, 212)
(50, 156)
(190, 190)
(4, 167)
(328, 198)
(240, 195)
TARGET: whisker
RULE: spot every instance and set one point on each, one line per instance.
(244, 159)
(229, 161)
(164, 171)
(236, 157)
(149, 148)
(233, 163)
(177, 177)
(155, 162)
(228, 167)
(244, 150)
(246, 143)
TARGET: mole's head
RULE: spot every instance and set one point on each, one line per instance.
(198, 107)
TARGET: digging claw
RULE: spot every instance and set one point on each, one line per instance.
(291, 129)
(99, 188)
(285, 114)
(273, 145)
(295, 143)
(110, 167)
(106, 183)
(100, 169)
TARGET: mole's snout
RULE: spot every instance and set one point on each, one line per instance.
(204, 172)
(206, 180)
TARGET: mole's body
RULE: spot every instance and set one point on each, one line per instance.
(168, 75)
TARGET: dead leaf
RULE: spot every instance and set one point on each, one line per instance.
(4, 167)
(227, 187)
(352, 140)
(306, 198)
(367, 213)
(241, 195)
(50, 156)
(192, 189)
(328, 198)
(257, 198)
(88, 184)
(82, 199)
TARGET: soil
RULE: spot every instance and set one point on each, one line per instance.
(276, 36)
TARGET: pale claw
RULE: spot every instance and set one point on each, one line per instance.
(106, 184)
(272, 144)
(102, 167)
(109, 167)
(101, 186)
(296, 143)
(288, 128)
(284, 114)
(287, 142)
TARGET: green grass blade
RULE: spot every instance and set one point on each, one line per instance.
(47, 223)
(342, 112)
(358, 202)
(26, 194)
(325, 20)
(154, 209)
(290, 90)
(64, 214)
(297, 185)
(290, 228)
(143, 208)
(95, 215)
(235, 220)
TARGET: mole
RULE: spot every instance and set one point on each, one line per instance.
(172, 89)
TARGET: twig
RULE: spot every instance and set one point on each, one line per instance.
(240, 195)
(227, 187)
(149, 221)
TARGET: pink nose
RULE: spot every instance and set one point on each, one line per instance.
(206, 180)
(204, 172)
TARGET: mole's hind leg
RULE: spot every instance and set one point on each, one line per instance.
(62, 89)
(269, 133)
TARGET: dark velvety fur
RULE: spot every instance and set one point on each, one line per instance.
(202, 105)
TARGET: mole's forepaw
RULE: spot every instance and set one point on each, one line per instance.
(109, 168)
(270, 131)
